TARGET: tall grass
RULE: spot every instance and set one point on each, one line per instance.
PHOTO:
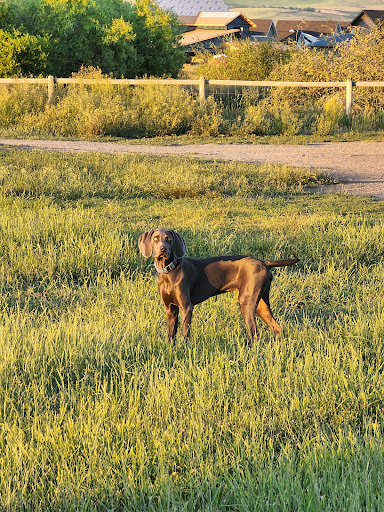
(99, 412)
(88, 111)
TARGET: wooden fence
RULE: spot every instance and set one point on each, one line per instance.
(201, 84)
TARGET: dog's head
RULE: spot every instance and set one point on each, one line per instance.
(162, 243)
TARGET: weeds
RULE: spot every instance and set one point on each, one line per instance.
(154, 111)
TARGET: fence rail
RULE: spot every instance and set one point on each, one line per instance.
(201, 83)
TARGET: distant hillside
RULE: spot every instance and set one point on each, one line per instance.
(299, 9)
(278, 13)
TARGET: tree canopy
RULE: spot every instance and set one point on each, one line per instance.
(59, 36)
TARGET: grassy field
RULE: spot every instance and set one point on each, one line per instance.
(99, 412)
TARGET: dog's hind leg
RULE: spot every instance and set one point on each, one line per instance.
(254, 282)
(248, 309)
(263, 310)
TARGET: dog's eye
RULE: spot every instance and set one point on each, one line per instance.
(155, 238)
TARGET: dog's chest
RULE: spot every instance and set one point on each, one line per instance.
(168, 291)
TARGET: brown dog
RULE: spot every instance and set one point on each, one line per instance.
(184, 282)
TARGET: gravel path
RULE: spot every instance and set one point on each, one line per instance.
(359, 165)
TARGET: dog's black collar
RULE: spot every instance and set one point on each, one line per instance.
(169, 267)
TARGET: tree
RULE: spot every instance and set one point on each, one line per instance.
(157, 39)
(21, 54)
(118, 53)
(121, 38)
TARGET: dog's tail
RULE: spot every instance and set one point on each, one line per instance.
(281, 263)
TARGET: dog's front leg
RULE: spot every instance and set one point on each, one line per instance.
(186, 313)
(172, 312)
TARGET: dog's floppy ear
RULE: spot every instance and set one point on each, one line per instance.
(179, 245)
(145, 243)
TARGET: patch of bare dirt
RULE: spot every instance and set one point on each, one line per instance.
(358, 165)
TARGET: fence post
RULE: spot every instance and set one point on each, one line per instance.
(51, 89)
(202, 90)
(349, 97)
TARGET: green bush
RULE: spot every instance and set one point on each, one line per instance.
(362, 59)
(332, 117)
(244, 60)
(21, 54)
(120, 37)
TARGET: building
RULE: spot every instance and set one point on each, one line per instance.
(323, 42)
(291, 29)
(368, 19)
(193, 7)
(264, 30)
(208, 30)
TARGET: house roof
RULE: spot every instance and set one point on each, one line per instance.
(187, 20)
(286, 29)
(261, 27)
(219, 19)
(324, 42)
(345, 25)
(375, 15)
(200, 35)
(193, 7)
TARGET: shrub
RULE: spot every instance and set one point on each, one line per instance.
(17, 101)
(244, 60)
(208, 119)
(332, 117)
(21, 54)
(300, 110)
(90, 110)
(361, 59)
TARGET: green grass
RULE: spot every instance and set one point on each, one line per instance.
(99, 412)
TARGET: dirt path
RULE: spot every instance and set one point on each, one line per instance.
(360, 165)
